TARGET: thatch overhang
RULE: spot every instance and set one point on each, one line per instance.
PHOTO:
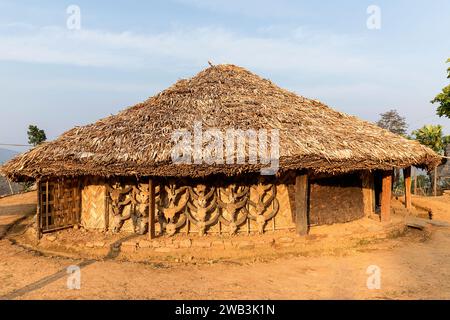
(138, 140)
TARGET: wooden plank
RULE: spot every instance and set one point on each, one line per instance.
(368, 189)
(386, 194)
(106, 207)
(151, 210)
(407, 176)
(46, 205)
(38, 211)
(435, 182)
(301, 204)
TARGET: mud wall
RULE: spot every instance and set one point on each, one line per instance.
(336, 199)
(210, 207)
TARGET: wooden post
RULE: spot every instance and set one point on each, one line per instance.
(435, 182)
(368, 189)
(151, 210)
(38, 210)
(301, 204)
(47, 198)
(386, 194)
(407, 176)
(106, 207)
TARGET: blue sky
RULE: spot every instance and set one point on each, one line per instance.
(127, 51)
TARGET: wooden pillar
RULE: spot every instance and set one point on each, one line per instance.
(386, 194)
(368, 191)
(151, 210)
(47, 198)
(106, 207)
(407, 176)
(301, 204)
(435, 182)
(39, 210)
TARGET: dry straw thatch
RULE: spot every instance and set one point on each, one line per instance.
(137, 141)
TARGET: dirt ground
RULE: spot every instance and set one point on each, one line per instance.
(415, 265)
(14, 208)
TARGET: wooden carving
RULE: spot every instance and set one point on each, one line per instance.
(171, 206)
(202, 209)
(262, 211)
(234, 210)
(140, 202)
(120, 198)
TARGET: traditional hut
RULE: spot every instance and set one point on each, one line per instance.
(119, 173)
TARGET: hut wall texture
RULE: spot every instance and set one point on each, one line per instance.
(336, 199)
(93, 205)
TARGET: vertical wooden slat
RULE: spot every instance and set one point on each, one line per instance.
(386, 194)
(79, 200)
(38, 210)
(435, 182)
(41, 201)
(74, 202)
(46, 204)
(301, 204)
(106, 207)
(407, 176)
(151, 210)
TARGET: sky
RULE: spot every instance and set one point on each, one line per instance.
(56, 76)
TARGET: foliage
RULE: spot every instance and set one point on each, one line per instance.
(393, 122)
(443, 99)
(431, 136)
(35, 135)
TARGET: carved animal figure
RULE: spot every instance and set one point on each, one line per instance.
(202, 209)
(120, 198)
(260, 214)
(171, 207)
(234, 211)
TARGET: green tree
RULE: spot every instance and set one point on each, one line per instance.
(35, 135)
(446, 141)
(443, 99)
(393, 122)
(431, 136)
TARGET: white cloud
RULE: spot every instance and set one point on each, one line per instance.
(319, 65)
(299, 50)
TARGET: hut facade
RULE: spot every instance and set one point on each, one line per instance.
(118, 174)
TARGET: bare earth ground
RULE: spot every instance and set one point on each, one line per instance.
(415, 265)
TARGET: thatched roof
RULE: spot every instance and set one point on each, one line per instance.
(137, 141)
